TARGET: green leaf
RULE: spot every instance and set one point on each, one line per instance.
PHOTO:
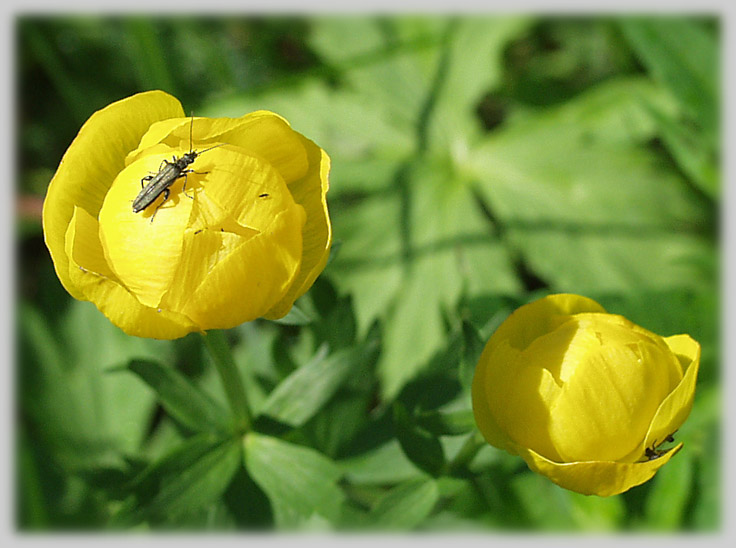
(448, 247)
(303, 393)
(695, 155)
(683, 56)
(369, 264)
(465, 78)
(300, 482)
(422, 448)
(447, 423)
(385, 464)
(708, 512)
(625, 217)
(197, 485)
(201, 463)
(181, 399)
(81, 413)
(391, 61)
(405, 506)
(547, 506)
(597, 514)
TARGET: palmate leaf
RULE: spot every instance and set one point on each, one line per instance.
(449, 247)
(300, 482)
(591, 192)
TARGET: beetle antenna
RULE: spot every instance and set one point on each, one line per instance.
(191, 128)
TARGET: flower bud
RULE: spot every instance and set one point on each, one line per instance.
(583, 396)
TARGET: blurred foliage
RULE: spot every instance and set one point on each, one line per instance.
(478, 163)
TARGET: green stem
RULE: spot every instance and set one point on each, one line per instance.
(231, 380)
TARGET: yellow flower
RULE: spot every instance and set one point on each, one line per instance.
(241, 237)
(584, 397)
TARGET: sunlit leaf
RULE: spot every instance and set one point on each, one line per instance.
(299, 481)
(183, 400)
(404, 506)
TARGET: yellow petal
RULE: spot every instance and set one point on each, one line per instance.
(246, 283)
(110, 297)
(261, 133)
(620, 378)
(91, 163)
(83, 245)
(145, 254)
(602, 478)
(243, 188)
(594, 418)
(542, 316)
(676, 407)
(519, 398)
(484, 419)
(311, 193)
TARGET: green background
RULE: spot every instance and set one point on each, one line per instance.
(478, 163)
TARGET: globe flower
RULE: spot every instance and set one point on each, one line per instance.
(586, 398)
(240, 236)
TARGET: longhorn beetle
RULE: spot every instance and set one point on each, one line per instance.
(168, 172)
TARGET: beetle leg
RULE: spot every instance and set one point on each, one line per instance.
(184, 186)
(166, 197)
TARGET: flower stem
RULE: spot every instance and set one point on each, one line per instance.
(231, 380)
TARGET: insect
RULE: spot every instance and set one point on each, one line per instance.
(653, 452)
(152, 186)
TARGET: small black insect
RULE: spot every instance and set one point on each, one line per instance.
(653, 452)
(152, 186)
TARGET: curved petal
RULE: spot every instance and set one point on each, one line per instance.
(676, 407)
(260, 133)
(241, 187)
(245, 284)
(542, 316)
(602, 478)
(91, 163)
(311, 193)
(484, 419)
(83, 245)
(110, 297)
(519, 397)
